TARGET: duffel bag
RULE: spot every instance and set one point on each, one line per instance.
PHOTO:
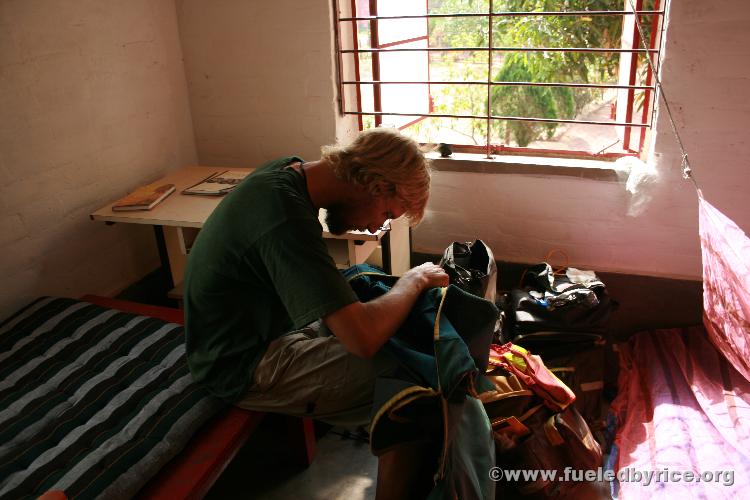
(569, 301)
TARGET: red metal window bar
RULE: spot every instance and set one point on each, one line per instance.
(631, 143)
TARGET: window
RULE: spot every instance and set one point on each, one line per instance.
(558, 77)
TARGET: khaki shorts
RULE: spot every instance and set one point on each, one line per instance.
(309, 373)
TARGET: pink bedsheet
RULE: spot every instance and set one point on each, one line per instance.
(726, 286)
(682, 407)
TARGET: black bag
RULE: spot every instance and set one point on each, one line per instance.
(582, 369)
(575, 302)
(472, 268)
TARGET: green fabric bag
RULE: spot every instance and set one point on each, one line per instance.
(442, 350)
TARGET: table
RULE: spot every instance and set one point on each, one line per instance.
(178, 219)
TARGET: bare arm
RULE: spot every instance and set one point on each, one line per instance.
(363, 327)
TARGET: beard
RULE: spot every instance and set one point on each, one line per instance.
(335, 220)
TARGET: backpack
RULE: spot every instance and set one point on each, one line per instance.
(537, 430)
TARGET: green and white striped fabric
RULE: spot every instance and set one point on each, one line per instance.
(93, 401)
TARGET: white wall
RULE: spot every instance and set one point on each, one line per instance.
(93, 103)
(523, 217)
(708, 85)
(260, 78)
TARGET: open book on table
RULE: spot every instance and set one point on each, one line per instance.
(218, 183)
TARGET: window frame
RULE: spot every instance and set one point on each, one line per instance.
(634, 135)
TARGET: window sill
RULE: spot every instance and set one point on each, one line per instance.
(525, 165)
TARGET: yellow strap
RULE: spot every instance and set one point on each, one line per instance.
(436, 328)
(397, 401)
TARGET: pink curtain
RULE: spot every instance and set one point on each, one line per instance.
(726, 286)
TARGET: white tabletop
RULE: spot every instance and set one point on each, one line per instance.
(180, 210)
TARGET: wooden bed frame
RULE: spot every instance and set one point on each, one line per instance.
(192, 473)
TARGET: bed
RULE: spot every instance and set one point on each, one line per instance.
(96, 401)
(684, 419)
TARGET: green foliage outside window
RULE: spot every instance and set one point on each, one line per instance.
(524, 31)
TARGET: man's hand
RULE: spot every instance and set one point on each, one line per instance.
(428, 275)
(363, 328)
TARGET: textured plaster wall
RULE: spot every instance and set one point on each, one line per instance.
(260, 76)
(93, 103)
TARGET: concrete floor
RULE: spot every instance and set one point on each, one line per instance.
(343, 468)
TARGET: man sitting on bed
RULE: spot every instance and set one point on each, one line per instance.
(259, 274)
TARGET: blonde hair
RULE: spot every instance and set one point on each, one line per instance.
(385, 162)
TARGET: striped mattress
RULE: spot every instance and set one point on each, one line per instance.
(93, 401)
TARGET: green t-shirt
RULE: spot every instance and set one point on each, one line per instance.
(258, 269)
